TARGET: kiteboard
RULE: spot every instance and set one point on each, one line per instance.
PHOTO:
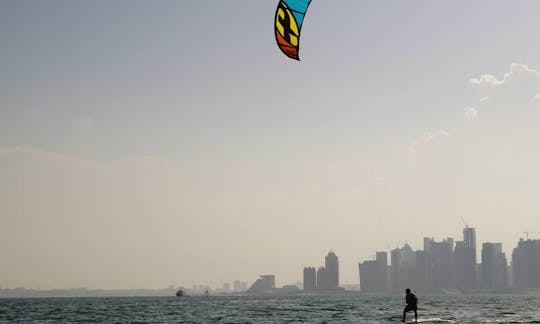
(430, 320)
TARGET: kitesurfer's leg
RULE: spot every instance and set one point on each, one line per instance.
(415, 316)
(404, 314)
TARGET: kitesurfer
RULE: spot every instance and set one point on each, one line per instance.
(412, 302)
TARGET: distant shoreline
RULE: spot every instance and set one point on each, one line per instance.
(97, 293)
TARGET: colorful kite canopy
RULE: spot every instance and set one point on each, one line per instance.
(289, 17)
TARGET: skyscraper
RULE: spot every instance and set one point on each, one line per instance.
(526, 264)
(421, 274)
(395, 270)
(440, 261)
(374, 274)
(332, 270)
(368, 276)
(465, 261)
(402, 268)
(321, 279)
(382, 268)
(493, 267)
(310, 279)
(469, 237)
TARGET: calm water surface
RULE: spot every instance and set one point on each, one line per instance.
(296, 309)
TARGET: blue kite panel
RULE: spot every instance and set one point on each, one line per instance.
(298, 5)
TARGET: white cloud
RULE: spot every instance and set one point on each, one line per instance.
(417, 145)
(471, 113)
(518, 86)
(517, 71)
(486, 79)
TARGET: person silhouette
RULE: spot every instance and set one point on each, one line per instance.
(412, 302)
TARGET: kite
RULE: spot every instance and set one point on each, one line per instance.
(288, 24)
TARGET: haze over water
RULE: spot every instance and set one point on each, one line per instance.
(147, 144)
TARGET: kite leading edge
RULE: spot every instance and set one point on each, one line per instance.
(288, 24)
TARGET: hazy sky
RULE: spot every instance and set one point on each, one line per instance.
(148, 143)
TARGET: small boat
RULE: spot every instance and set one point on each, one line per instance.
(180, 293)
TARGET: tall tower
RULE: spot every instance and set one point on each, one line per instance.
(469, 236)
(321, 279)
(310, 278)
(395, 270)
(526, 264)
(494, 267)
(382, 270)
(465, 256)
(332, 270)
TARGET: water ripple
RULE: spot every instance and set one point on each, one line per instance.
(286, 309)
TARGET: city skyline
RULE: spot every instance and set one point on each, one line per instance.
(239, 286)
(145, 143)
(493, 274)
(451, 267)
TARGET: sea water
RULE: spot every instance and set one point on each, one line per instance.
(270, 309)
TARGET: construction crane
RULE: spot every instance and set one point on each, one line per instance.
(464, 222)
(527, 234)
